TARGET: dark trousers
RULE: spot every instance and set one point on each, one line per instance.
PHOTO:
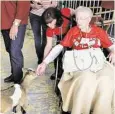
(39, 35)
(13, 47)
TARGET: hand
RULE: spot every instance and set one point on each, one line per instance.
(41, 68)
(13, 32)
(111, 57)
(36, 6)
(36, 1)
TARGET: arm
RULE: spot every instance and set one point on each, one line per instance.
(111, 55)
(48, 46)
(51, 4)
(35, 6)
(66, 42)
(22, 10)
(106, 43)
(41, 4)
(51, 56)
(14, 29)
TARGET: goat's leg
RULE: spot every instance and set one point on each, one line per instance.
(14, 109)
(22, 110)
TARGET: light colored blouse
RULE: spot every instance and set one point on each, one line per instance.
(39, 6)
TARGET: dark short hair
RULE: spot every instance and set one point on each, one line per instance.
(52, 13)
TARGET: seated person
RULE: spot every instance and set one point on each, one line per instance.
(87, 81)
(57, 22)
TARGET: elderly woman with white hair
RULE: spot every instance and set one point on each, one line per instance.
(87, 81)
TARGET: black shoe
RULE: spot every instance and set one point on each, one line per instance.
(52, 77)
(65, 112)
(9, 79)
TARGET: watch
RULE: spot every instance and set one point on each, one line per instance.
(15, 23)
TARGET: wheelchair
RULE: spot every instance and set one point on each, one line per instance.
(56, 81)
(103, 23)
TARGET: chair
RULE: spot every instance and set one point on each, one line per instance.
(105, 16)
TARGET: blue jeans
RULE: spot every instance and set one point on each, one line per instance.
(13, 47)
(39, 35)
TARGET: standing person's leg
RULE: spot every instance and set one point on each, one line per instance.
(36, 28)
(6, 38)
(43, 38)
(7, 43)
(16, 56)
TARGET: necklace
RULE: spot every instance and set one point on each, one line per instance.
(83, 40)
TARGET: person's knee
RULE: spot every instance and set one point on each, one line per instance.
(88, 77)
(105, 86)
(16, 52)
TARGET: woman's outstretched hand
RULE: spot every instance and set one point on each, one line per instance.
(41, 68)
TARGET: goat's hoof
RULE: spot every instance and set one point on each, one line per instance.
(22, 110)
(14, 110)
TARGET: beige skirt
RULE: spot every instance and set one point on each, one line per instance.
(85, 91)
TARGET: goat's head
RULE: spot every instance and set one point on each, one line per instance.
(29, 75)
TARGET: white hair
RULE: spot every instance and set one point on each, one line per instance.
(84, 9)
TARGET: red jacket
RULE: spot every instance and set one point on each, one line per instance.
(11, 10)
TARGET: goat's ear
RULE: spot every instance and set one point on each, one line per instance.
(31, 69)
(24, 69)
